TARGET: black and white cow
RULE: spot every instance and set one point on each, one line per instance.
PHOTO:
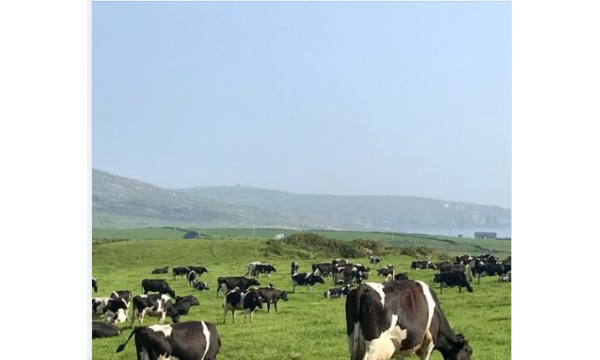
(114, 310)
(444, 266)
(451, 279)
(374, 260)
(398, 319)
(160, 286)
(463, 259)
(99, 305)
(294, 268)
(482, 269)
(151, 305)
(198, 269)
(305, 279)
(102, 330)
(164, 270)
(265, 269)
(190, 340)
(180, 271)
(122, 294)
(247, 301)
(232, 282)
(387, 272)
(350, 274)
(270, 295)
(191, 277)
(321, 269)
(337, 292)
(181, 307)
(422, 264)
(401, 276)
(338, 262)
(95, 284)
(201, 286)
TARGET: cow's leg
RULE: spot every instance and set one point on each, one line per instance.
(161, 319)
(141, 318)
(225, 314)
(268, 307)
(426, 347)
(378, 349)
(275, 305)
(309, 288)
(233, 315)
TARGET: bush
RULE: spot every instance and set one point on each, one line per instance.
(314, 245)
(418, 251)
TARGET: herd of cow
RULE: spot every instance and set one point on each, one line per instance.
(397, 317)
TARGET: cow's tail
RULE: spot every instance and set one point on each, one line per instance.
(122, 346)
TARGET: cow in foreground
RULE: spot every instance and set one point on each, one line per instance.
(102, 330)
(246, 301)
(190, 340)
(399, 319)
(270, 296)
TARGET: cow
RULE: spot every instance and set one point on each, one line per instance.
(251, 267)
(444, 266)
(398, 319)
(294, 267)
(99, 305)
(102, 330)
(482, 269)
(198, 269)
(232, 282)
(350, 274)
(191, 277)
(374, 260)
(338, 262)
(201, 286)
(115, 310)
(270, 295)
(266, 269)
(401, 276)
(180, 271)
(321, 269)
(506, 278)
(247, 301)
(164, 270)
(463, 259)
(190, 340)
(305, 279)
(160, 286)
(95, 284)
(153, 305)
(388, 270)
(422, 264)
(451, 279)
(181, 307)
(337, 292)
(122, 294)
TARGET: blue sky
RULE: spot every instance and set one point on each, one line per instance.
(382, 98)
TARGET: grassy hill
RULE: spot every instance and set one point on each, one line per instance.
(308, 326)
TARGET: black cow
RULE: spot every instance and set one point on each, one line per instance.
(190, 340)
(398, 319)
(321, 269)
(270, 295)
(337, 292)
(181, 307)
(198, 269)
(102, 330)
(247, 301)
(374, 260)
(451, 279)
(160, 286)
(401, 276)
(444, 266)
(201, 286)
(265, 269)
(153, 305)
(305, 279)
(294, 268)
(164, 270)
(232, 282)
(95, 284)
(191, 277)
(180, 271)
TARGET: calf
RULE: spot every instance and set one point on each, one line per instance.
(398, 319)
(337, 292)
(95, 284)
(232, 282)
(152, 305)
(102, 330)
(164, 270)
(270, 296)
(160, 286)
(190, 340)
(180, 271)
(181, 307)
(452, 279)
(247, 301)
(401, 276)
(305, 279)
(201, 286)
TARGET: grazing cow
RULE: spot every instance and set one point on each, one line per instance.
(164, 270)
(374, 260)
(201, 286)
(191, 277)
(337, 292)
(463, 259)
(190, 340)
(198, 269)
(160, 286)
(95, 284)
(422, 264)
(388, 270)
(152, 305)
(350, 274)
(102, 330)
(251, 267)
(270, 295)
(181, 307)
(401, 276)
(451, 279)
(305, 279)
(398, 319)
(444, 266)
(482, 269)
(232, 282)
(122, 294)
(338, 262)
(265, 269)
(180, 271)
(294, 268)
(247, 301)
(322, 269)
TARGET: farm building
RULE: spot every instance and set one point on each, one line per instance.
(485, 235)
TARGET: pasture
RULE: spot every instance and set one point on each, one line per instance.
(308, 326)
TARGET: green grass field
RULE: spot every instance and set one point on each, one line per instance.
(308, 326)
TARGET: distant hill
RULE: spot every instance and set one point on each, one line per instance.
(119, 202)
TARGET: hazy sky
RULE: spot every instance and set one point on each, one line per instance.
(335, 98)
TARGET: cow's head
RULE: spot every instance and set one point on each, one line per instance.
(171, 293)
(284, 296)
(317, 279)
(253, 282)
(460, 350)
(437, 278)
(272, 268)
